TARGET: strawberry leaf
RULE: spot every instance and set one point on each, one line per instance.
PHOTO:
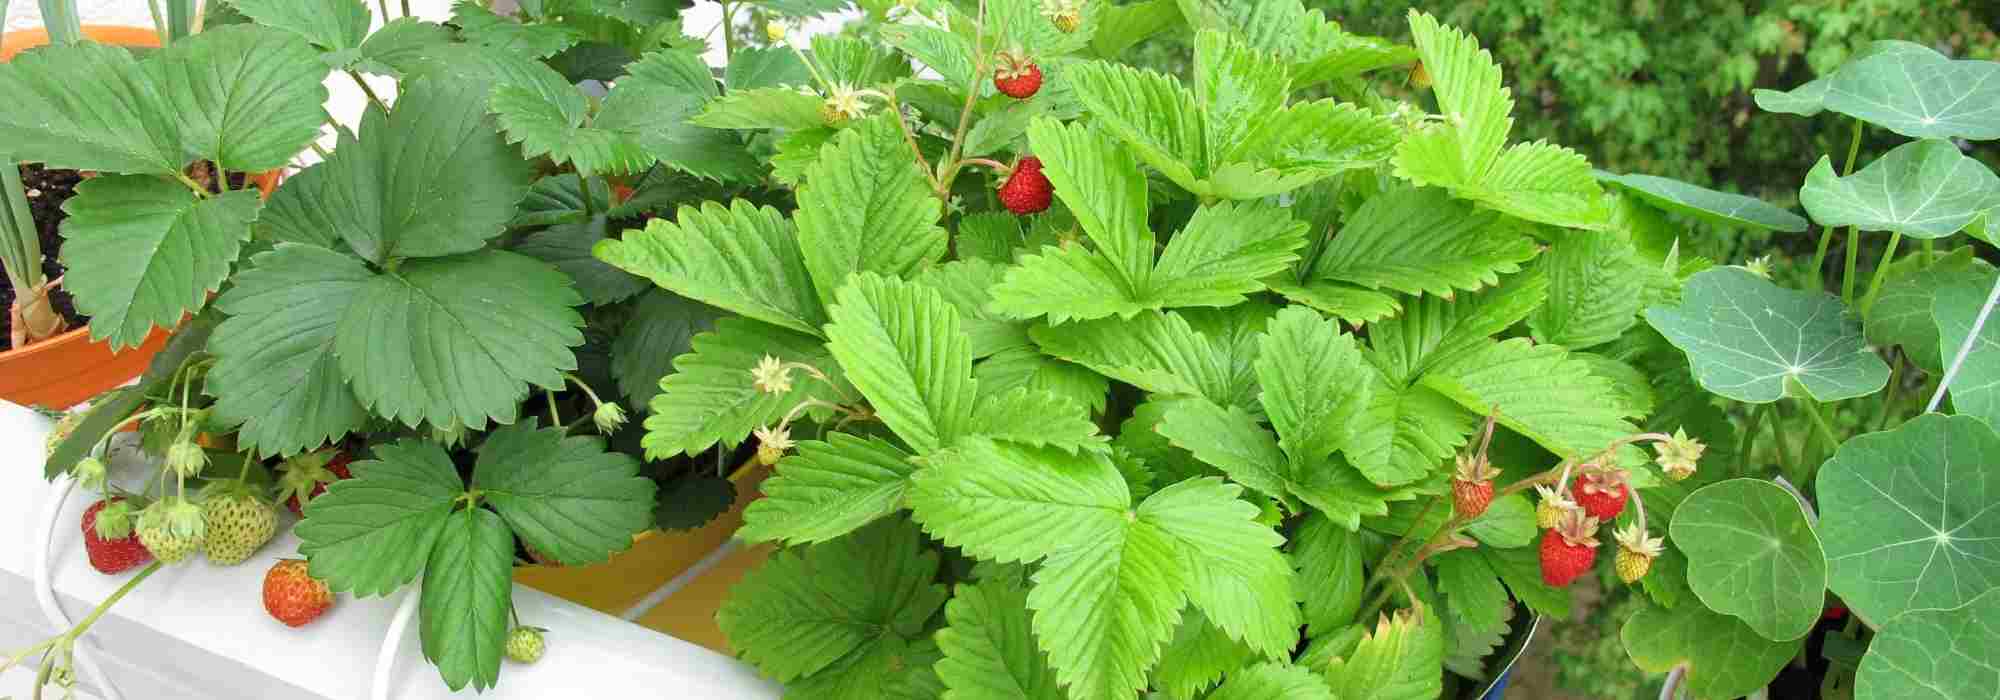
(1596, 290)
(1420, 241)
(467, 593)
(661, 330)
(1539, 391)
(567, 497)
(401, 322)
(1235, 573)
(49, 115)
(828, 489)
(1328, 559)
(1222, 253)
(371, 534)
(966, 284)
(248, 98)
(331, 25)
(1027, 367)
(1158, 352)
(1101, 184)
(989, 652)
(1312, 418)
(743, 258)
(275, 375)
(710, 399)
(900, 344)
(1197, 656)
(810, 606)
(1034, 417)
(479, 25)
(1401, 659)
(1271, 679)
(147, 251)
(866, 207)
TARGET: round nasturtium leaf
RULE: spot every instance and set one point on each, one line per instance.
(1724, 658)
(1752, 555)
(1921, 189)
(1753, 341)
(1935, 655)
(1809, 99)
(1908, 516)
(1723, 207)
(1919, 94)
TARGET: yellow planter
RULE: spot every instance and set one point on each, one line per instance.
(621, 585)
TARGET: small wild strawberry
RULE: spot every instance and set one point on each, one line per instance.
(772, 444)
(1472, 485)
(292, 595)
(1027, 190)
(1602, 493)
(1067, 15)
(1678, 456)
(1569, 550)
(1636, 552)
(1017, 76)
(108, 538)
(525, 645)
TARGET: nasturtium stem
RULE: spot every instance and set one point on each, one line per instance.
(1847, 271)
(1826, 233)
(1895, 387)
(1881, 270)
(1778, 439)
(1825, 430)
(1750, 427)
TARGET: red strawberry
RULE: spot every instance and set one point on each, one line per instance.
(1472, 485)
(1026, 190)
(109, 540)
(1602, 494)
(308, 474)
(1834, 612)
(1569, 550)
(292, 595)
(1017, 76)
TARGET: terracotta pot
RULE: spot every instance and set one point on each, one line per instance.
(68, 369)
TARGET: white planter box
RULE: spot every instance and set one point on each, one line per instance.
(199, 632)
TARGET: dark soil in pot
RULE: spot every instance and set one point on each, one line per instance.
(47, 190)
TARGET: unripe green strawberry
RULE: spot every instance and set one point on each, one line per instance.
(238, 523)
(525, 645)
(172, 529)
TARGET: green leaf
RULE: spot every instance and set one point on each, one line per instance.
(1520, 568)
(1328, 558)
(553, 126)
(1001, 501)
(989, 652)
(1101, 184)
(828, 489)
(1904, 522)
(1027, 367)
(467, 594)
(1539, 391)
(1534, 181)
(248, 98)
(1901, 314)
(567, 497)
(1347, 303)
(762, 108)
(1750, 340)
(568, 247)
(965, 283)
(400, 44)
(1433, 330)
(946, 53)
(400, 324)
(479, 25)
(1596, 290)
(275, 374)
(993, 236)
(332, 25)
(1064, 284)
(1273, 680)
(1326, 53)
(1725, 208)
(744, 259)
(1507, 524)
(557, 199)
(1956, 308)
(1419, 241)
(146, 251)
(643, 120)
(1150, 112)
(1919, 94)
(1120, 27)
(810, 606)
(1922, 189)
(661, 329)
(53, 113)
(1752, 555)
(1724, 658)
(710, 397)
(866, 207)
(1302, 144)
(889, 668)
(1933, 654)
(1157, 352)
(371, 534)
(1477, 598)
(1197, 656)
(1235, 85)
(1221, 254)
(1313, 418)
(1104, 608)
(1402, 659)
(859, 63)
(900, 344)
(433, 178)
(1808, 99)
(1230, 440)
(1236, 575)
(764, 66)
(1033, 417)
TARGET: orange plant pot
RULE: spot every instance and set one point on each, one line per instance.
(68, 369)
